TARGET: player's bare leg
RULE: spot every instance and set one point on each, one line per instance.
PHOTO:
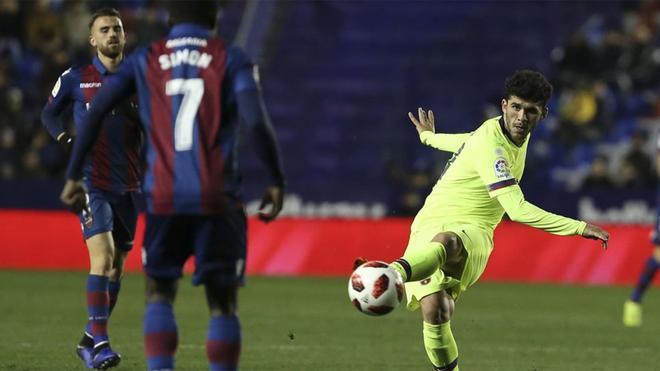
(223, 344)
(117, 270)
(632, 308)
(101, 248)
(94, 347)
(116, 274)
(161, 335)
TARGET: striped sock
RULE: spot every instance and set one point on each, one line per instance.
(645, 279)
(160, 336)
(87, 340)
(223, 345)
(113, 292)
(97, 308)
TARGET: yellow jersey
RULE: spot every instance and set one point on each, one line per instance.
(486, 164)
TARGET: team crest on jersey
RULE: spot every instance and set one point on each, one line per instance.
(502, 168)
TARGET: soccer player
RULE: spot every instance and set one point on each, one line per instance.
(193, 91)
(452, 235)
(111, 174)
(632, 308)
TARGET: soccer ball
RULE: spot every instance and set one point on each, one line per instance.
(375, 289)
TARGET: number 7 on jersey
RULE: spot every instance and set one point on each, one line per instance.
(192, 90)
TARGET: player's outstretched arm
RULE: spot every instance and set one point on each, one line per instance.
(519, 210)
(425, 125)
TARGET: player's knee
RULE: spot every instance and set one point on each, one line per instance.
(221, 299)
(101, 265)
(116, 273)
(451, 242)
(161, 290)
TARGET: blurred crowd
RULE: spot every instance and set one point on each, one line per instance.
(38, 41)
(600, 134)
(604, 116)
(606, 113)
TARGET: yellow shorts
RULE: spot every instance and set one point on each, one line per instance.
(478, 244)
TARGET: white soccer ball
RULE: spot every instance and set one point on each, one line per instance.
(375, 289)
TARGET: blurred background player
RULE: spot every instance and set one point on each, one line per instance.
(111, 174)
(452, 235)
(632, 308)
(193, 91)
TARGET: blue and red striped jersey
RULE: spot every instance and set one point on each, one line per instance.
(114, 161)
(193, 92)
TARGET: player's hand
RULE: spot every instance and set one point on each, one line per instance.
(426, 122)
(273, 196)
(74, 196)
(595, 232)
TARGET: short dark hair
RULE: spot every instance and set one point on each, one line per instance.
(202, 12)
(103, 12)
(528, 85)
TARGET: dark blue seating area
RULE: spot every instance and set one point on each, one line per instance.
(339, 78)
(344, 75)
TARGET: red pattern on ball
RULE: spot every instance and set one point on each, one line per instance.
(380, 286)
(399, 290)
(380, 309)
(356, 282)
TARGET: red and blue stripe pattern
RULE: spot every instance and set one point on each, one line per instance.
(98, 303)
(223, 345)
(502, 184)
(195, 176)
(161, 336)
(113, 163)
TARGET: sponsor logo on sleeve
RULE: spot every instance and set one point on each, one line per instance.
(58, 83)
(502, 170)
(56, 88)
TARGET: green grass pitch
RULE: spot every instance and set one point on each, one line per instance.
(308, 324)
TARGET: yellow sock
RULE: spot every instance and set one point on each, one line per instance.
(421, 263)
(441, 346)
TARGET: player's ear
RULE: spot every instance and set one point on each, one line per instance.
(544, 114)
(92, 41)
(504, 103)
